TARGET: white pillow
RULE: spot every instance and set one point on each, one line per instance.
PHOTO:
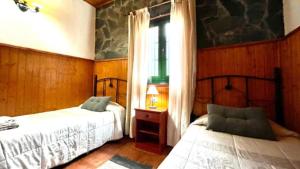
(281, 131)
(5, 119)
(202, 120)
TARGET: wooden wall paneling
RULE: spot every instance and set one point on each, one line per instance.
(112, 68)
(235, 97)
(118, 69)
(252, 60)
(11, 88)
(290, 64)
(162, 97)
(65, 67)
(202, 97)
(3, 79)
(33, 81)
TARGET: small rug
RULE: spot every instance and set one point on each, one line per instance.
(119, 162)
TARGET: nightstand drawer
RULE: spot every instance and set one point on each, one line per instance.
(147, 116)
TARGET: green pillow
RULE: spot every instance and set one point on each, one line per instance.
(248, 122)
(97, 104)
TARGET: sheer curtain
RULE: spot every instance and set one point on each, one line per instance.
(138, 25)
(182, 78)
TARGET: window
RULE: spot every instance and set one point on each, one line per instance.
(159, 51)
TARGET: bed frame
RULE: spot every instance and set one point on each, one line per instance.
(276, 80)
(113, 83)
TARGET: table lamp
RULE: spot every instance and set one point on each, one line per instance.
(152, 91)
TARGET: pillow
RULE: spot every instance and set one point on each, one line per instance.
(96, 103)
(248, 122)
(278, 130)
(202, 120)
(281, 131)
(4, 119)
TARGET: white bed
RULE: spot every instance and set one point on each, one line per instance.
(50, 139)
(200, 148)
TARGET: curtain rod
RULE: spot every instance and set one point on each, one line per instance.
(154, 6)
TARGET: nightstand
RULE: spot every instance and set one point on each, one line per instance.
(151, 129)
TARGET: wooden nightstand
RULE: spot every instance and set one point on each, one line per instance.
(151, 129)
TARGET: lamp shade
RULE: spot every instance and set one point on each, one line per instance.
(152, 90)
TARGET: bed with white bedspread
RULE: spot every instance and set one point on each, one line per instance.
(204, 149)
(49, 139)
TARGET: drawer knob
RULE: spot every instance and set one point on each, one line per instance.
(147, 115)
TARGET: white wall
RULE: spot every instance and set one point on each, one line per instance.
(63, 26)
(291, 9)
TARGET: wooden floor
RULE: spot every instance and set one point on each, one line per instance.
(124, 147)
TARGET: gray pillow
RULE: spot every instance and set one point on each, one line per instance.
(249, 122)
(96, 103)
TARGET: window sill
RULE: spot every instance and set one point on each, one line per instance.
(159, 84)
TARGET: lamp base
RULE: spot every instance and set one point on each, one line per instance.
(152, 107)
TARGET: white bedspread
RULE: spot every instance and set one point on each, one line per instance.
(203, 149)
(49, 139)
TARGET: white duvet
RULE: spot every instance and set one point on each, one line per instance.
(203, 149)
(49, 139)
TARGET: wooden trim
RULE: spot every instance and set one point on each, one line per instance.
(152, 110)
(292, 32)
(108, 60)
(100, 4)
(103, 4)
(89, 3)
(240, 45)
(251, 43)
(41, 51)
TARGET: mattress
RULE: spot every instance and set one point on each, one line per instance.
(53, 138)
(200, 148)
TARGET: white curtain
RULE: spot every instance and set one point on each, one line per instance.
(138, 25)
(182, 75)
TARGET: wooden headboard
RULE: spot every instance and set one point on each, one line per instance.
(114, 87)
(242, 87)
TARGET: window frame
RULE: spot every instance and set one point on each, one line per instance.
(162, 77)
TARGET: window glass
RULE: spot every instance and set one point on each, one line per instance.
(153, 52)
(159, 51)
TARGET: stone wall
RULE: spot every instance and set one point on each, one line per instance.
(224, 22)
(112, 27)
(219, 22)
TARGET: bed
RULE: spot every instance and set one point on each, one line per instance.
(202, 148)
(49, 139)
